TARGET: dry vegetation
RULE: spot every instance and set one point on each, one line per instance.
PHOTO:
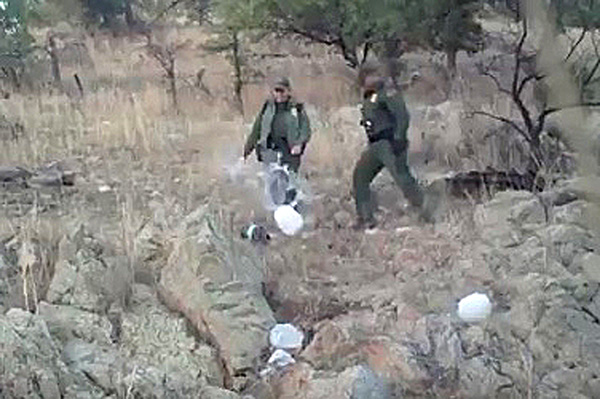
(139, 162)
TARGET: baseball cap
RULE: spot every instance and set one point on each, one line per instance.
(282, 82)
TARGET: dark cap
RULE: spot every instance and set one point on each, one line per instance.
(373, 82)
(282, 82)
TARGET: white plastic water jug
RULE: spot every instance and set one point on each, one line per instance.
(288, 220)
(474, 308)
(286, 336)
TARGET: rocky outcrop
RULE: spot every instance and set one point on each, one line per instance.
(217, 285)
(100, 336)
(85, 277)
(532, 254)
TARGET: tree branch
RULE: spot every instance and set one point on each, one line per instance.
(366, 49)
(310, 36)
(173, 4)
(515, 84)
(549, 111)
(577, 43)
(526, 80)
(496, 81)
(588, 79)
(509, 122)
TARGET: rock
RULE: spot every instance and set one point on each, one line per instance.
(48, 179)
(330, 345)
(9, 275)
(210, 392)
(148, 244)
(369, 385)
(84, 278)
(300, 381)
(396, 362)
(529, 213)
(260, 389)
(150, 334)
(567, 241)
(590, 265)
(31, 362)
(102, 366)
(494, 222)
(52, 175)
(473, 341)
(220, 294)
(66, 323)
(558, 197)
(294, 382)
(585, 187)
(571, 213)
(530, 257)
(477, 380)
(13, 174)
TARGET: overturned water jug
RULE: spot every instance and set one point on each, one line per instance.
(256, 233)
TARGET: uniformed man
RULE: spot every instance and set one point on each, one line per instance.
(385, 120)
(281, 129)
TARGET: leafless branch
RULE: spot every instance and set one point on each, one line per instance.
(496, 82)
(515, 84)
(577, 43)
(509, 122)
(161, 14)
(526, 80)
(588, 79)
(549, 111)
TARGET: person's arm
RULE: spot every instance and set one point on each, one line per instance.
(304, 132)
(397, 107)
(254, 136)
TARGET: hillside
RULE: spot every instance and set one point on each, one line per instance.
(123, 273)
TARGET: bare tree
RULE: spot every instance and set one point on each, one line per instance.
(52, 50)
(166, 56)
(236, 58)
(533, 117)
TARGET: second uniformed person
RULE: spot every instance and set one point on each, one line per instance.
(385, 120)
(281, 128)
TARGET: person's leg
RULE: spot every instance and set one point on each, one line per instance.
(397, 164)
(292, 161)
(367, 167)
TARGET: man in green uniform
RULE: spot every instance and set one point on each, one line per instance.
(281, 129)
(385, 120)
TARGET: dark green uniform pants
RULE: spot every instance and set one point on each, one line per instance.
(377, 156)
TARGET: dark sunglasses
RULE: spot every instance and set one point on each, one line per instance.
(279, 90)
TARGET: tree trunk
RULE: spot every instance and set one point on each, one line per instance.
(237, 66)
(173, 83)
(79, 84)
(129, 17)
(451, 61)
(54, 61)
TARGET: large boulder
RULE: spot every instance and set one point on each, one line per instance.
(150, 334)
(66, 323)
(31, 362)
(356, 382)
(87, 278)
(216, 283)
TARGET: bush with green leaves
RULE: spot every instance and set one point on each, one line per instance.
(357, 27)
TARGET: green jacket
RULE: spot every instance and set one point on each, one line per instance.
(298, 126)
(386, 110)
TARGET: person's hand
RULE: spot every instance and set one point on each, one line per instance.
(296, 150)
